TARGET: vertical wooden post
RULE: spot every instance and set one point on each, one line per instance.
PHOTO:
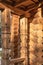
(28, 39)
(5, 36)
(14, 36)
(24, 38)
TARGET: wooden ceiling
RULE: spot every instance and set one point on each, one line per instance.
(25, 8)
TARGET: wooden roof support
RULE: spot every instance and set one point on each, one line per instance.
(35, 7)
(16, 10)
(27, 1)
(32, 9)
(35, 1)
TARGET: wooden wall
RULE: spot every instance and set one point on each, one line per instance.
(20, 38)
(36, 42)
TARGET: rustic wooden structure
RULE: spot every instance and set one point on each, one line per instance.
(22, 7)
(16, 32)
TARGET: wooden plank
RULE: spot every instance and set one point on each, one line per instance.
(17, 60)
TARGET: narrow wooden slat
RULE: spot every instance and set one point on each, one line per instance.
(17, 60)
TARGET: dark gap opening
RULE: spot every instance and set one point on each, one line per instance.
(42, 50)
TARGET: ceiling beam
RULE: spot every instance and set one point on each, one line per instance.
(27, 1)
(29, 7)
(35, 8)
(32, 8)
(16, 10)
(9, 1)
(35, 1)
(3, 6)
(19, 11)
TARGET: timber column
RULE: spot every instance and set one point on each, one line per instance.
(24, 40)
(6, 36)
(14, 36)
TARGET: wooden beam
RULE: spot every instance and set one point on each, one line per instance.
(25, 2)
(33, 8)
(27, 14)
(36, 7)
(14, 9)
(17, 60)
(35, 1)
(9, 1)
(2, 6)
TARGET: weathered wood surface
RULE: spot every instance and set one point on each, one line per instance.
(5, 36)
(14, 36)
(24, 37)
(22, 7)
(17, 60)
(36, 41)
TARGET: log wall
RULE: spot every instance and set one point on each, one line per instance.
(21, 39)
(36, 42)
